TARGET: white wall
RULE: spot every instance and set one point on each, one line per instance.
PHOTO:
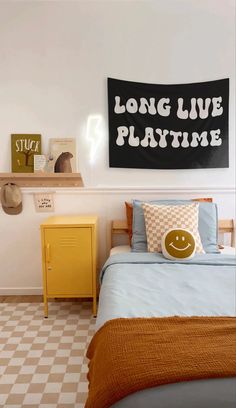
(55, 58)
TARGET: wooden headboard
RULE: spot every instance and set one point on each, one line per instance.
(119, 227)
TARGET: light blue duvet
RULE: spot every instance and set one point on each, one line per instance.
(144, 285)
(147, 284)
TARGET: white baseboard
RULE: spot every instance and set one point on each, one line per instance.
(20, 291)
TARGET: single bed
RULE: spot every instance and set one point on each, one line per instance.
(146, 287)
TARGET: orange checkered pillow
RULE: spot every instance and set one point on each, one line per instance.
(160, 218)
(129, 218)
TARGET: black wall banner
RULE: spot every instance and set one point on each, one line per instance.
(168, 126)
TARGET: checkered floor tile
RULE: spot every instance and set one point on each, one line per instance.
(42, 361)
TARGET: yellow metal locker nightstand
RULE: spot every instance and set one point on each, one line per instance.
(69, 258)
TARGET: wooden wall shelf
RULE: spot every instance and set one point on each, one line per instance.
(42, 180)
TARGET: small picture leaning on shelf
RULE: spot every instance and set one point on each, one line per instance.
(23, 149)
(62, 153)
(43, 164)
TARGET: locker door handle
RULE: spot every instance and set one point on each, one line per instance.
(48, 253)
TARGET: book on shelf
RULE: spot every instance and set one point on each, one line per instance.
(23, 149)
(62, 155)
(42, 164)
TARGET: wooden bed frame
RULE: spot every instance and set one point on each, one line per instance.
(120, 227)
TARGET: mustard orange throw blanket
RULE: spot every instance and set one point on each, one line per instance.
(128, 355)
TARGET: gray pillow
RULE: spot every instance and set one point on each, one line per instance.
(207, 224)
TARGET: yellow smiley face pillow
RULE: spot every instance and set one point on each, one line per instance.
(178, 243)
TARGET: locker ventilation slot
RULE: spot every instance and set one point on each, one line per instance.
(68, 242)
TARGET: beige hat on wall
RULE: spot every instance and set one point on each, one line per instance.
(11, 198)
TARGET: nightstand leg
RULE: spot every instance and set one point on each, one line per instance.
(45, 307)
(94, 307)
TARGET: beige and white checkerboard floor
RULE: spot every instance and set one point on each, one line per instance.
(42, 361)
